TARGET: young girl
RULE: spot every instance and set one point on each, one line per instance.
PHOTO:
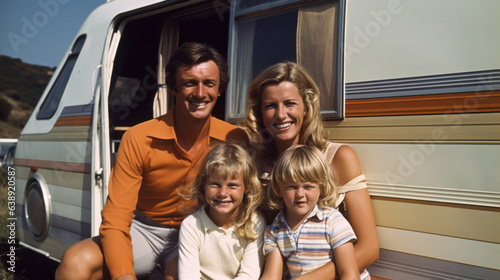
(223, 239)
(307, 233)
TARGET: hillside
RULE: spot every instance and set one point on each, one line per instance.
(21, 86)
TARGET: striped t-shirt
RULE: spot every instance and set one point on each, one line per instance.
(312, 245)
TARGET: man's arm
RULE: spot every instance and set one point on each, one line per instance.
(124, 184)
(127, 277)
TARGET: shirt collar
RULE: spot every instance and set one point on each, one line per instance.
(208, 224)
(317, 213)
(164, 129)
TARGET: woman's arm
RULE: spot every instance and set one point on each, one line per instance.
(274, 266)
(359, 208)
(346, 261)
(362, 220)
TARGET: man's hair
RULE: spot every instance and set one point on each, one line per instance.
(191, 54)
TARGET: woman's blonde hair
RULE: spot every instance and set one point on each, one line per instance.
(312, 132)
(303, 163)
(229, 160)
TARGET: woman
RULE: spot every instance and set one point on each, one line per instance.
(282, 111)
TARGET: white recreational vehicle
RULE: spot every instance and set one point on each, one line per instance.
(412, 86)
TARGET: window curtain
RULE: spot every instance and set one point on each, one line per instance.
(243, 74)
(168, 44)
(317, 48)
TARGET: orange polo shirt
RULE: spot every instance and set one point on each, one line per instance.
(149, 168)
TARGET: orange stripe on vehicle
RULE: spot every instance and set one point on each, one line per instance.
(459, 103)
(53, 165)
(74, 120)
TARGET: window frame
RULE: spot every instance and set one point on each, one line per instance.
(57, 89)
(337, 112)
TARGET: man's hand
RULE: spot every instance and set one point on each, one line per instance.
(127, 277)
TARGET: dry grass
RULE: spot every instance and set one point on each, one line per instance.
(17, 118)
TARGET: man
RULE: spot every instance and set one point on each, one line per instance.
(156, 159)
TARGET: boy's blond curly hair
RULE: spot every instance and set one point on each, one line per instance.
(303, 163)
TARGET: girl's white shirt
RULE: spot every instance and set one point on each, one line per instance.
(207, 251)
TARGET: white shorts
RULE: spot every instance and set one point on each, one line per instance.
(152, 244)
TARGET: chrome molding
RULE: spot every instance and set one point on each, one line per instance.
(47, 206)
(467, 197)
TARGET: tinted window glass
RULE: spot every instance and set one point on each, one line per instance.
(269, 48)
(52, 100)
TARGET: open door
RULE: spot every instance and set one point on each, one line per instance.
(133, 80)
(96, 164)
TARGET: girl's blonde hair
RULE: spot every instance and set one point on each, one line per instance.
(312, 132)
(303, 163)
(229, 160)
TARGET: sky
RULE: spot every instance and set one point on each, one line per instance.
(39, 32)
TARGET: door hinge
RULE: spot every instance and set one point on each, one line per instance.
(98, 177)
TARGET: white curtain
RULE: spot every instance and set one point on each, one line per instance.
(168, 43)
(243, 73)
(317, 48)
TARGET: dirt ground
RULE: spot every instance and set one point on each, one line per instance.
(29, 265)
